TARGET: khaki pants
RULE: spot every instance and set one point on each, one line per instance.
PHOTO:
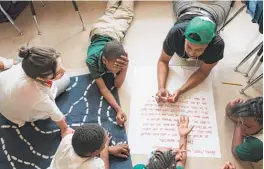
(116, 20)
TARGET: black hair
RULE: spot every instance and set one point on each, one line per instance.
(87, 139)
(251, 108)
(39, 61)
(162, 160)
(113, 50)
(194, 36)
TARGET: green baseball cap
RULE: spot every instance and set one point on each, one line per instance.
(202, 26)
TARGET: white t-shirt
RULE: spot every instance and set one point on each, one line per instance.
(23, 99)
(66, 158)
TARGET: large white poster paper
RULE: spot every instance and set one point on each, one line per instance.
(153, 125)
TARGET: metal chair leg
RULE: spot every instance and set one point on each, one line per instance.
(231, 7)
(256, 68)
(251, 83)
(78, 12)
(42, 3)
(34, 16)
(248, 56)
(254, 61)
(227, 22)
(10, 19)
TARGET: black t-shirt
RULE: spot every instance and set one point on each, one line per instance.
(174, 43)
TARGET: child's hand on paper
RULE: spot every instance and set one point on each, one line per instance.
(228, 165)
(121, 117)
(183, 126)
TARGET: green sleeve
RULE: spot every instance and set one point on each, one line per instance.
(139, 166)
(250, 150)
(94, 72)
(179, 167)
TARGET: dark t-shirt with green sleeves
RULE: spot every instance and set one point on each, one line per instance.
(250, 150)
(94, 55)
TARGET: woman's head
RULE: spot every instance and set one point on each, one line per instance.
(250, 114)
(163, 160)
(41, 62)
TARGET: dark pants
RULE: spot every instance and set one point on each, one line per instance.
(218, 9)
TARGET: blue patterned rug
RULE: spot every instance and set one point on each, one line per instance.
(33, 145)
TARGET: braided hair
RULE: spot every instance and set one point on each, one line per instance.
(251, 108)
(162, 160)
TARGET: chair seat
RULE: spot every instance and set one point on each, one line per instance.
(12, 8)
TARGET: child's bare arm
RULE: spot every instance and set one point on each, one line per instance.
(183, 146)
(107, 94)
(184, 130)
(119, 79)
(120, 115)
(104, 155)
(237, 138)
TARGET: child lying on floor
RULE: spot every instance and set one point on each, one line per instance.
(106, 53)
(80, 150)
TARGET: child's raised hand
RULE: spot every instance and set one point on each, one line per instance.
(183, 126)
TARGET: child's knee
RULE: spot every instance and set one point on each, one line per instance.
(67, 80)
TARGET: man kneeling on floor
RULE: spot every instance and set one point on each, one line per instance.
(80, 150)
